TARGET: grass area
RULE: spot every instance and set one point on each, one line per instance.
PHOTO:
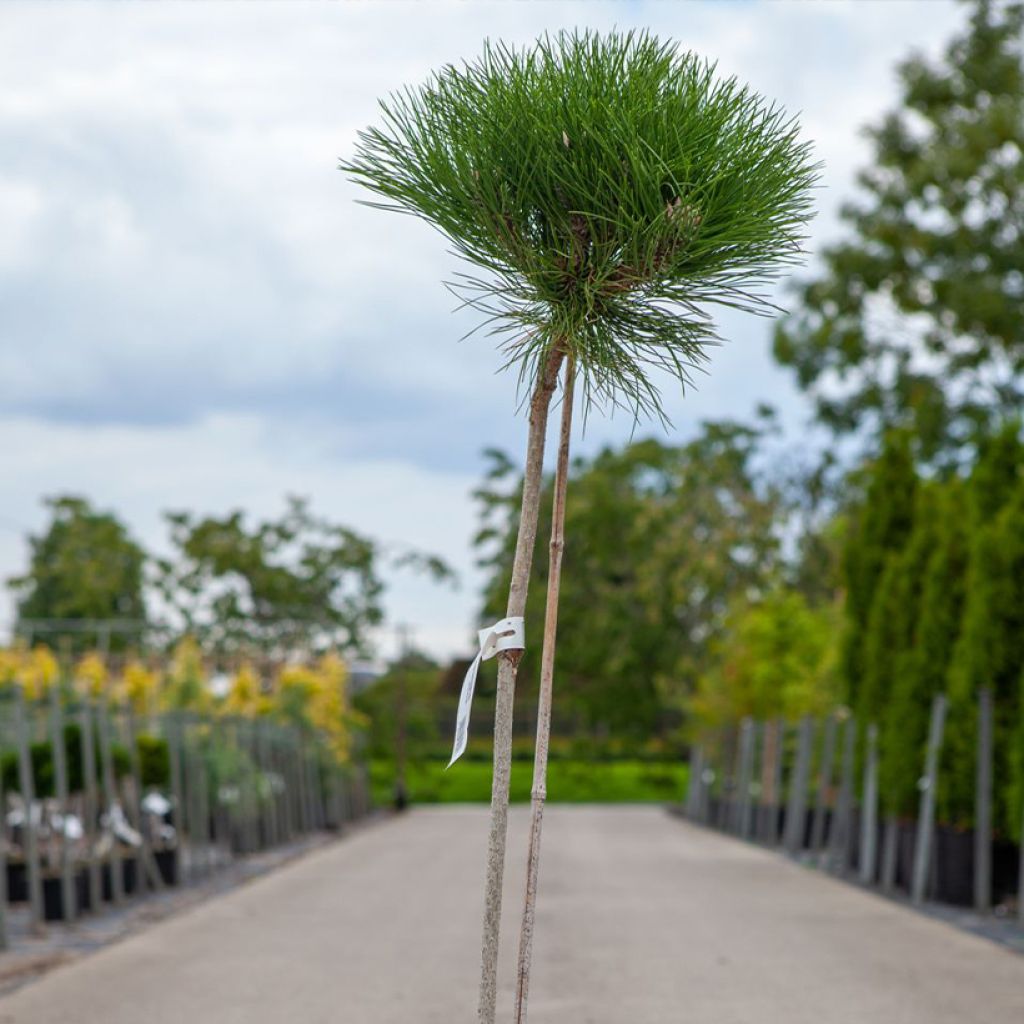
(568, 781)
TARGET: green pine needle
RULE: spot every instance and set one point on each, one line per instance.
(609, 187)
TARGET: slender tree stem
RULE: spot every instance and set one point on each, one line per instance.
(508, 665)
(547, 676)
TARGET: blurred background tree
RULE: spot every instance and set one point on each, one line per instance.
(665, 538)
(85, 569)
(916, 318)
(294, 584)
(775, 656)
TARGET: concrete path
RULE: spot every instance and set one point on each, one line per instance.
(642, 920)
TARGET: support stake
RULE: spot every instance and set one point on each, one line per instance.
(869, 817)
(926, 816)
(547, 677)
(983, 807)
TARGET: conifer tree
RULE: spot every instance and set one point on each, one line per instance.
(936, 632)
(990, 649)
(604, 188)
(1015, 812)
(895, 697)
(879, 529)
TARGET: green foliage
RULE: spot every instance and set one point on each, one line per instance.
(935, 604)
(84, 566)
(185, 688)
(568, 782)
(889, 641)
(661, 541)
(990, 648)
(154, 761)
(299, 584)
(607, 186)
(918, 313)
(920, 667)
(775, 657)
(878, 528)
(295, 583)
(41, 756)
(891, 692)
(227, 764)
(415, 685)
(1015, 793)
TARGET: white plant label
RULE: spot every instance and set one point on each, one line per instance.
(505, 635)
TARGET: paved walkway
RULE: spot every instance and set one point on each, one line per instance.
(642, 920)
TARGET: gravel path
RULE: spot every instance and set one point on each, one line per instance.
(642, 919)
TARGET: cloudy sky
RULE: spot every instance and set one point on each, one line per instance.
(195, 313)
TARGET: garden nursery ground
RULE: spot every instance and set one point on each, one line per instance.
(645, 919)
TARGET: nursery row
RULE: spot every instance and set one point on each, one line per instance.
(100, 804)
(814, 789)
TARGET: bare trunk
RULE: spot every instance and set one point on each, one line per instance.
(508, 664)
(547, 675)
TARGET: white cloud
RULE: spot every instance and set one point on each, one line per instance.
(194, 311)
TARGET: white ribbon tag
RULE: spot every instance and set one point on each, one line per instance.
(505, 635)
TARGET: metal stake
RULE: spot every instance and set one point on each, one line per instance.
(869, 819)
(797, 806)
(91, 805)
(748, 738)
(69, 903)
(983, 807)
(27, 783)
(110, 796)
(839, 840)
(824, 784)
(693, 781)
(779, 733)
(926, 817)
(147, 865)
(3, 866)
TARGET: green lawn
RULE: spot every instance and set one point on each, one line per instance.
(568, 781)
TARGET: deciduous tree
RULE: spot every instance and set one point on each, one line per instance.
(85, 570)
(917, 316)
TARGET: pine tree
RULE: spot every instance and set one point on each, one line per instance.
(604, 188)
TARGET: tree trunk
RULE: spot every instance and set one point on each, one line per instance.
(547, 673)
(508, 664)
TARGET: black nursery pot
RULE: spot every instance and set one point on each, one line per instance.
(17, 882)
(953, 878)
(906, 839)
(129, 874)
(53, 896)
(954, 867)
(167, 864)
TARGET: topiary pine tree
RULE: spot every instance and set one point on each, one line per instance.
(606, 188)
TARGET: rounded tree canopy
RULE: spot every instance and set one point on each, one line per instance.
(609, 186)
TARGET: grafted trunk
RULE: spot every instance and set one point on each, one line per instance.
(508, 664)
(547, 675)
